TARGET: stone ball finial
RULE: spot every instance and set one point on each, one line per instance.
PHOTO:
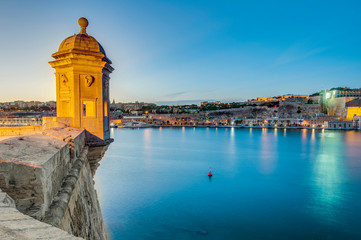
(83, 23)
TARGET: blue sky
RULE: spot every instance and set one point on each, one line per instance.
(187, 50)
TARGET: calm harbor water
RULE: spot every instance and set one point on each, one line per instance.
(267, 184)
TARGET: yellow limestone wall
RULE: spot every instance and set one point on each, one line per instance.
(83, 103)
(82, 82)
(18, 130)
(56, 122)
(352, 111)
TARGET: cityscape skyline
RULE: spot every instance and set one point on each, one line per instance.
(185, 51)
(222, 119)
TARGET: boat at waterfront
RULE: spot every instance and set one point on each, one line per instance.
(134, 124)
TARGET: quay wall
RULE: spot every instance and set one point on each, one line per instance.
(49, 177)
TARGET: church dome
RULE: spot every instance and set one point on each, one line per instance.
(81, 41)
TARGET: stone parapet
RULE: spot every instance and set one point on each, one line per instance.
(18, 130)
(31, 170)
(56, 122)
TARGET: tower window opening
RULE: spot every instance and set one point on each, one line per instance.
(105, 109)
(89, 108)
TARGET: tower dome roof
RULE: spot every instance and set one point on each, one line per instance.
(81, 41)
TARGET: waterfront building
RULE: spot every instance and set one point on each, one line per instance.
(353, 108)
(344, 125)
(251, 121)
(82, 82)
(357, 122)
(334, 102)
(319, 121)
(271, 122)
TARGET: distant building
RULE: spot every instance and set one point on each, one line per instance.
(210, 103)
(136, 112)
(265, 99)
(347, 93)
(315, 99)
(293, 98)
(20, 104)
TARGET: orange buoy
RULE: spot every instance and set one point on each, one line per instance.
(210, 173)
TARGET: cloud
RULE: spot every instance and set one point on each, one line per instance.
(179, 102)
(174, 95)
(296, 52)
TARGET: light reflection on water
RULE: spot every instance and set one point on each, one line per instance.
(313, 135)
(268, 151)
(232, 143)
(267, 184)
(328, 192)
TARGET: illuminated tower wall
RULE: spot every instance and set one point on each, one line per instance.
(82, 82)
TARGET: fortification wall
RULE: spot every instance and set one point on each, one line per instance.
(49, 177)
(18, 130)
(285, 110)
(76, 208)
(297, 110)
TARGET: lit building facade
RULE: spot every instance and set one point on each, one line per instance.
(334, 102)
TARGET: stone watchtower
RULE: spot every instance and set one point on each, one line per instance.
(82, 82)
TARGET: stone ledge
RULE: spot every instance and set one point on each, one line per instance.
(25, 227)
(15, 225)
(33, 149)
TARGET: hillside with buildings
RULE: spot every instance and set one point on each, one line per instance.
(337, 104)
